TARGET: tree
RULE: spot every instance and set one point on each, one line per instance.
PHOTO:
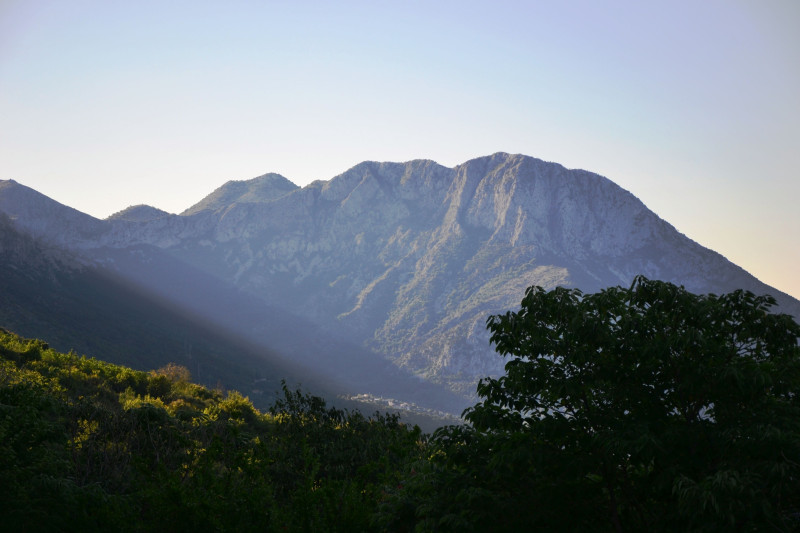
(662, 409)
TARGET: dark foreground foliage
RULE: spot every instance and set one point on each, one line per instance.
(640, 409)
(87, 446)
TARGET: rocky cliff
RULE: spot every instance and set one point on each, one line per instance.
(409, 259)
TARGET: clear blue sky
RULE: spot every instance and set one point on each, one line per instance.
(692, 106)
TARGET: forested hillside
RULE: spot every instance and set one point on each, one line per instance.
(86, 445)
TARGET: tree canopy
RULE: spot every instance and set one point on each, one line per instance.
(680, 409)
(86, 445)
(646, 408)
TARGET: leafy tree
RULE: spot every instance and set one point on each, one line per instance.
(175, 373)
(645, 409)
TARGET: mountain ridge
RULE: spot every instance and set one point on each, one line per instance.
(139, 213)
(263, 188)
(409, 259)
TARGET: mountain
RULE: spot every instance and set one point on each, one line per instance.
(140, 307)
(407, 260)
(261, 189)
(41, 216)
(139, 213)
(46, 293)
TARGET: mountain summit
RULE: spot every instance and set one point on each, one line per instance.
(408, 260)
(139, 213)
(261, 189)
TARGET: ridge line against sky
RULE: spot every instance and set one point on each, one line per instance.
(690, 106)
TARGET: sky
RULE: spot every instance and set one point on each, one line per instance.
(694, 107)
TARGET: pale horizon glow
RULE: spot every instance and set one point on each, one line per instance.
(690, 106)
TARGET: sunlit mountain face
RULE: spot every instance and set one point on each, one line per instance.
(382, 278)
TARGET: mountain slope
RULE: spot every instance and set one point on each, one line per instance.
(139, 213)
(45, 293)
(141, 307)
(261, 189)
(115, 449)
(409, 259)
(46, 218)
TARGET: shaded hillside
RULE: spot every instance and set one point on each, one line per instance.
(46, 293)
(147, 309)
(43, 217)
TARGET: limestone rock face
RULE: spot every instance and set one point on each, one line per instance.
(409, 259)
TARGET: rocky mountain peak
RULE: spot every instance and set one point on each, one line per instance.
(409, 259)
(262, 189)
(527, 201)
(139, 213)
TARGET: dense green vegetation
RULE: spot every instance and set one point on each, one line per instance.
(640, 409)
(87, 445)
